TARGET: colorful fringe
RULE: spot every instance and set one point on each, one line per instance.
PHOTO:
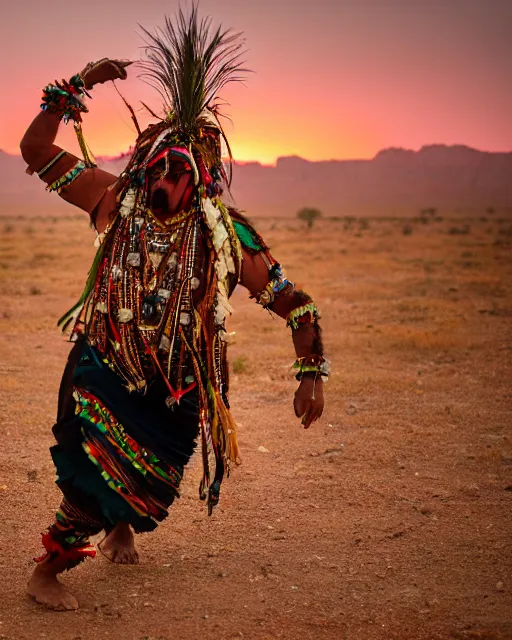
(65, 99)
(69, 536)
(307, 314)
(74, 554)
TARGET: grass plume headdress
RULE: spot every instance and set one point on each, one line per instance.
(188, 62)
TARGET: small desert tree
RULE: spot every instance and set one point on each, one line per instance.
(309, 215)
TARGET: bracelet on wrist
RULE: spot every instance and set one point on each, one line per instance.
(314, 365)
(66, 99)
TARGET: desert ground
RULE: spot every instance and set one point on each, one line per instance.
(389, 519)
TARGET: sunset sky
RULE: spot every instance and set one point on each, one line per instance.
(333, 78)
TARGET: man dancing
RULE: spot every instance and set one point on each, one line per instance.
(148, 375)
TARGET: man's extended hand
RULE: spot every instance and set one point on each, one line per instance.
(309, 400)
(103, 71)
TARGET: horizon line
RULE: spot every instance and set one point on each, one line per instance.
(107, 158)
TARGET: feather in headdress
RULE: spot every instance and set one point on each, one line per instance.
(189, 63)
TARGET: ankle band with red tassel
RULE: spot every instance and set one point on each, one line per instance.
(73, 554)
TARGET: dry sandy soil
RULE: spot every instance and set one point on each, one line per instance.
(390, 519)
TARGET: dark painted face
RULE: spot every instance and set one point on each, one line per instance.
(172, 191)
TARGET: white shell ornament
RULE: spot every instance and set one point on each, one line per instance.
(184, 318)
(133, 259)
(125, 315)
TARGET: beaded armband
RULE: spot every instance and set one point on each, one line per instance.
(275, 287)
(307, 314)
(316, 365)
(66, 99)
(67, 178)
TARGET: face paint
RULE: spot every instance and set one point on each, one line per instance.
(170, 190)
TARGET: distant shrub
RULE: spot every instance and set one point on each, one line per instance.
(35, 291)
(309, 215)
(407, 229)
(460, 231)
(240, 365)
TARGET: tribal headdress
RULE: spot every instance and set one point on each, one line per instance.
(141, 306)
(188, 64)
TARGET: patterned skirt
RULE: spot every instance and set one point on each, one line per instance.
(119, 456)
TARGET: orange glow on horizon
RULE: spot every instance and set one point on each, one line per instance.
(255, 130)
(339, 81)
(254, 135)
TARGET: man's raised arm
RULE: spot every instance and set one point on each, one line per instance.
(75, 181)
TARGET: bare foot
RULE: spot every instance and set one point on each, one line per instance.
(46, 589)
(119, 545)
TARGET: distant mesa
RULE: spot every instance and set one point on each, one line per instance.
(396, 182)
